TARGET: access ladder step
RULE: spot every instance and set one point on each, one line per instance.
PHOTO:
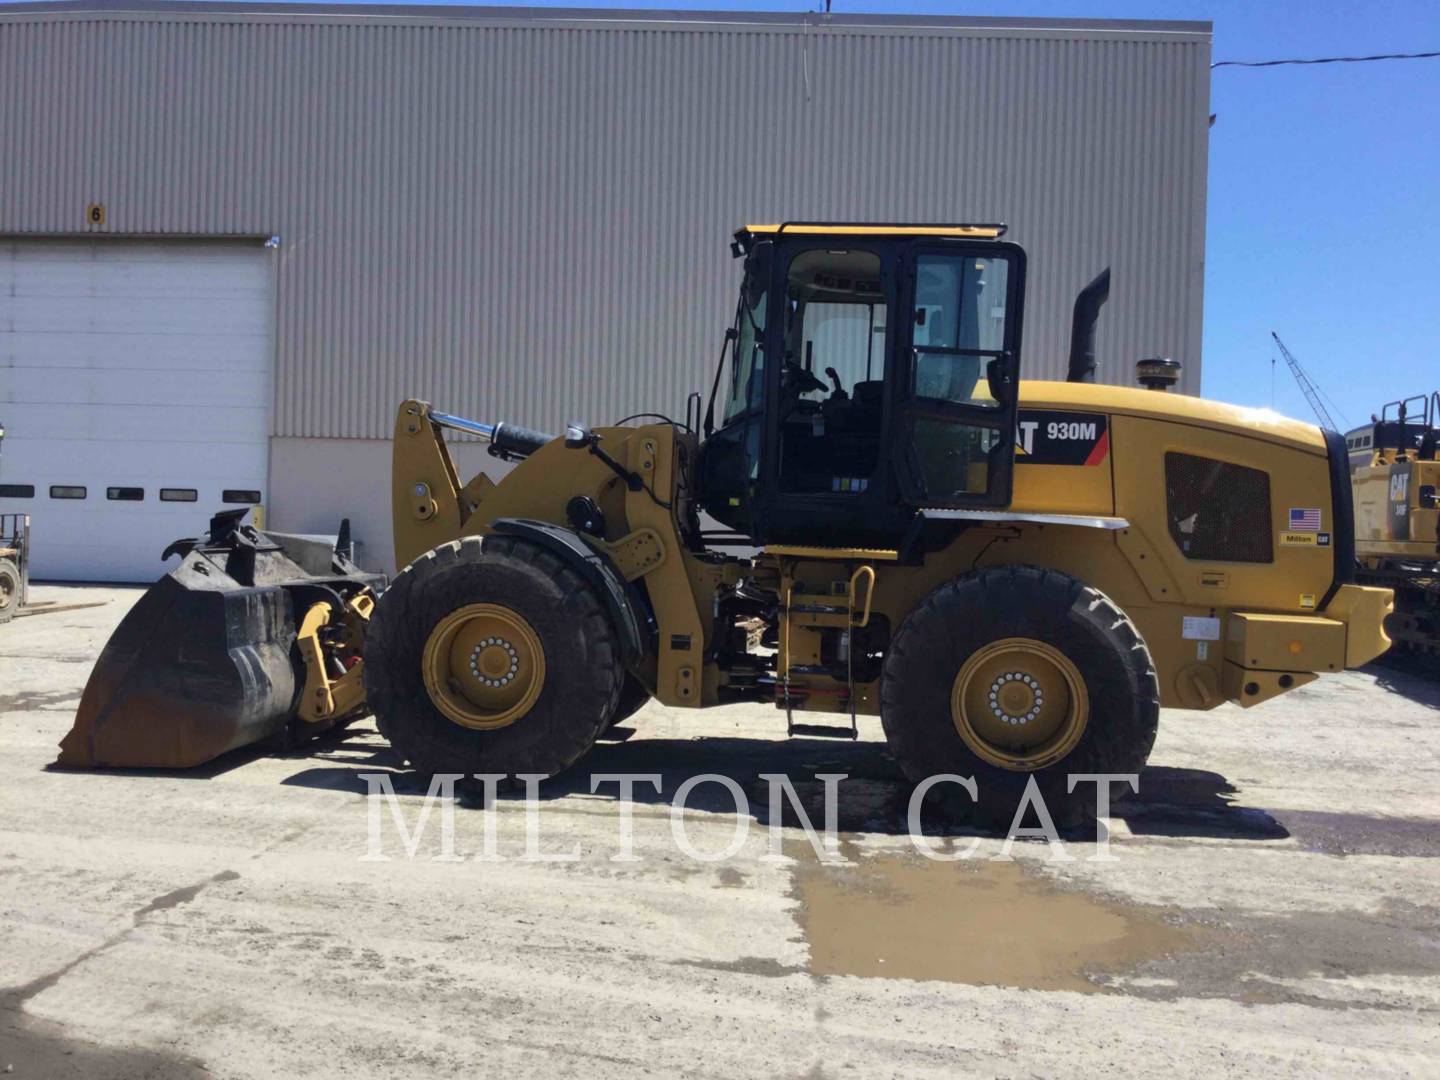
(824, 731)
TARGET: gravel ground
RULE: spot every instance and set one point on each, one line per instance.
(1269, 907)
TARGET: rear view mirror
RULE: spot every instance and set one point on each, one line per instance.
(578, 436)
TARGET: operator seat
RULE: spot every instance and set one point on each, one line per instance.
(867, 400)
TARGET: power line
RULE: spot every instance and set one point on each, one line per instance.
(1341, 412)
(1326, 60)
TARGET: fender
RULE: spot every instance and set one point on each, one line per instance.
(628, 611)
(1342, 515)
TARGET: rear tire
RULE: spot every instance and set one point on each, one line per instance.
(578, 675)
(9, 590)
(1033, 628)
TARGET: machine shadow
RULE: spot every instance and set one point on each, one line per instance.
(874, 797)
(226, 762)
(1193, 803)
(1414, 677)
(334, 741)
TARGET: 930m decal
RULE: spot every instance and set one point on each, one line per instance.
(1043, 437)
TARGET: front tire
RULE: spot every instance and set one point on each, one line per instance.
(490, 655)
(633, 698)
(1018, 672)
(9, 590)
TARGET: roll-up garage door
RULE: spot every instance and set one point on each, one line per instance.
(134, 392)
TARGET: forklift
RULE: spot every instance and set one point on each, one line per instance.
(14, 559)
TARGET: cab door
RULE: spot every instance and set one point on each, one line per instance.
(958, 373)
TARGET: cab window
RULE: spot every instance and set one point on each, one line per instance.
(959, 315)
(747, 369)
(832, 374)
(835, 320)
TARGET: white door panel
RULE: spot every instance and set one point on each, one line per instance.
(187, 315)
(131, 365)
(61, 277)
(120, 388)
(160, 352)
(70, 461)
(113, 424)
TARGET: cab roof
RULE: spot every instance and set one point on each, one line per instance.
(748, 234)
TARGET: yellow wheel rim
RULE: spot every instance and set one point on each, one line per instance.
(484, 666)
(1020, 704)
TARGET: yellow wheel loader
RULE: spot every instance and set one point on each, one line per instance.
(1014, 576)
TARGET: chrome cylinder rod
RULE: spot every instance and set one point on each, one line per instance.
(459, 423)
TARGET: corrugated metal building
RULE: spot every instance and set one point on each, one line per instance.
(261, 226)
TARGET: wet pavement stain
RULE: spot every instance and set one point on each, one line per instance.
(35, 1047)
(1267, 959)
(1180, 804)
(746, 965)
(976, 921)
(990, 923)
(1344, 834)
(183, 896)
(39, 700)
(40, 1048)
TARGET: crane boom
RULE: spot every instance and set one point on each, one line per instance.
(1312, 395)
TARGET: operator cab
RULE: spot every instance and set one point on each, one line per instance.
(1405, 429)
(872, 370)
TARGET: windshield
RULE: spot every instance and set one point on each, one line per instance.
(834, 322)
(745, 389)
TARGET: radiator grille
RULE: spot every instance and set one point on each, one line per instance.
(1218, 512)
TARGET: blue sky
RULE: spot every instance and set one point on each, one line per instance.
(1324, 199)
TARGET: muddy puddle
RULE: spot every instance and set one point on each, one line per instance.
(980, 922)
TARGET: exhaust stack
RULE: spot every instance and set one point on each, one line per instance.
(1082, 327)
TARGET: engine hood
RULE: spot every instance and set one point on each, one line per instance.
(1263, 424)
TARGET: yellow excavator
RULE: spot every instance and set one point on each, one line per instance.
(1396, 475)
(873, 516)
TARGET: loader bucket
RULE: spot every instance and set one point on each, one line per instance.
(207, 660)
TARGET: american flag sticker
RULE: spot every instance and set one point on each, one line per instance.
(1306, 519)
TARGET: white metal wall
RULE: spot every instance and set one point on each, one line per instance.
(523, 214)
(135, 392)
